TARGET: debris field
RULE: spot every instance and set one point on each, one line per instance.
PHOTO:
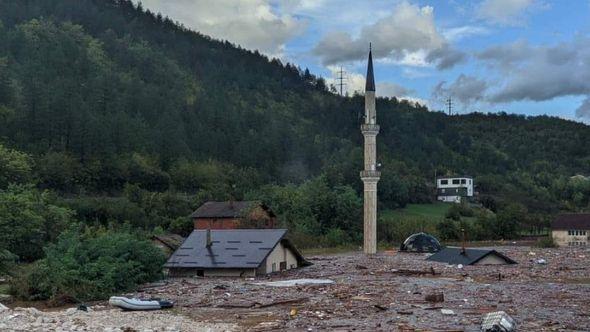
(548, 290)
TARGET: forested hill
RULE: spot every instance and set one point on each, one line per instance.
(105, 96)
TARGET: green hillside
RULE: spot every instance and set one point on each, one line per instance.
(127, 118)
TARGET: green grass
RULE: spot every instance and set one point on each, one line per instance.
(430, 212)
(4, 288)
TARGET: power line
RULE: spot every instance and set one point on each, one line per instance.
(341, 79)
(450, 105)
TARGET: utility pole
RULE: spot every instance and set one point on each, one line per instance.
(341, 79)
(450, 105)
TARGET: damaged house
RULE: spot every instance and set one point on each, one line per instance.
(470, 256)
(233, 215)
(234, 253)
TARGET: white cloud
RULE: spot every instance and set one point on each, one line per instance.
(540, 73)
(462, 32)
(504, 12)
(253, 24)
(465, 89)
(584, 110)
(407, 35)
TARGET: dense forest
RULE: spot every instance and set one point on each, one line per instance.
(113, 116)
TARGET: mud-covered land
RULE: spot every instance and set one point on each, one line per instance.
(386, 292)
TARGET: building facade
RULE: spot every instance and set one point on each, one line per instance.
(454, 189)
(233, 215)
(571, 230)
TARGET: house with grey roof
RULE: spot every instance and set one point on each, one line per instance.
(470, 256)
(234, 253)
(233, 215)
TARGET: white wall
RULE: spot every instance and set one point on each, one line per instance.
(278, 255)
(562, 238)
(468, 184)
(491, 260)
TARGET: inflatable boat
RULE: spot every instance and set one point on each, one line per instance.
(139, 304)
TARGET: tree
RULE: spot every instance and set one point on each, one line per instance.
(15, 167)
(29, 220)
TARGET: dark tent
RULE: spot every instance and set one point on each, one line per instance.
(420, 242)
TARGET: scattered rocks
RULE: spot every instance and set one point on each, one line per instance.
(113, 320)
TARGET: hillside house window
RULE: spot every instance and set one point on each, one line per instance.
(444, 182)
(283, 266)
(274, 267)
(456, 181)
(463, 181)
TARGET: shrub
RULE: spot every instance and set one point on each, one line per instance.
(181, 226)
(29, 220)
(546, 242)
(90, 266)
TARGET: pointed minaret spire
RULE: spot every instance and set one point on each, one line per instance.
(370, 85)
(370, 175)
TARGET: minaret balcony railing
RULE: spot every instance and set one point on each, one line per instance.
(370, 174)
(370, 128)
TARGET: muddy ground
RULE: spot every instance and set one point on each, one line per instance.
(387, 293)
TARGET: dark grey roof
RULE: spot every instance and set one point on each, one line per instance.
(370, 85)
(231, 248)
(453, 255)
(572, 221)
(172, 241)
(229, 209)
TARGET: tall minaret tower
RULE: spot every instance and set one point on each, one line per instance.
(370, 175)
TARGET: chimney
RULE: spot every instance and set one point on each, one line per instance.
(463, 241)
(209, 241)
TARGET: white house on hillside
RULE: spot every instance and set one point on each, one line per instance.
(453, 189)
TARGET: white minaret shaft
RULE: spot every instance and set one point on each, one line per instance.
(370, 175)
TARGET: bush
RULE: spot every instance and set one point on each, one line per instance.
(181, 226)
(546, 242)
(29, 220)
(90, 266)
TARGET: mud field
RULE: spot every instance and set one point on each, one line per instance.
(389, 292)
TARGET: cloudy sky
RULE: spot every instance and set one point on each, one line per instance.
(520, 56)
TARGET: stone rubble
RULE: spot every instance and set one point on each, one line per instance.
(389, 293)
(104, 319)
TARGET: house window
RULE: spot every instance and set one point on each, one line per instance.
(444, 181)
(274, 267)
(463, 181)
(456, 181)
(283, 266)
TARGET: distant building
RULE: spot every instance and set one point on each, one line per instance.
(233, 215)
(168, 242)
(454, 189)
(571, 229)
(470, 256)
(234, 253)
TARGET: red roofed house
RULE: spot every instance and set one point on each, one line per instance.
(233, 215)
(571, 229)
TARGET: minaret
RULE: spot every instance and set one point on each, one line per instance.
(370, 175)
